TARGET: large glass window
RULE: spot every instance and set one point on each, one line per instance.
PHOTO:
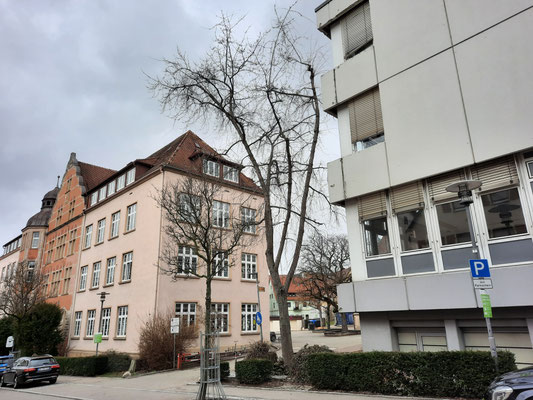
(115, 221)
(187, 313)
(106, 321)
(95, 282)
(453, 223)
(220, 316)
(248, 219)
(88, 235)
(211, 168)
(100, 231)
(130, 217)
(376, 236)
(83, 277)
(248, 323)
(35, 240)
(187, 260)
(220, 214)
(248, 266)
(91, 314)
(127, 262)
(221, 265)
(110, 273)
(503, 213)
(413, 230)
(122, 321)
(77, 323)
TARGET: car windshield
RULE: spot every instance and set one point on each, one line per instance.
(42, 361)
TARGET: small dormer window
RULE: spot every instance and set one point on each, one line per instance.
(231, 174)
(211, 168)
(103, 192)
(94, 198)
(130, 176)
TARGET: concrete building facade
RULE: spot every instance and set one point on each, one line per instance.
(427, 93)
(123, 238)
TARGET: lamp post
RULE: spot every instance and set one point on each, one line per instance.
(102, 300)
(258, 302)
(464, 192)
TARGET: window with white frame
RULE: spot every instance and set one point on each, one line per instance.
(453, 223)
(189, 207)
(106, 321)
(115, 224)
(88, 236)
(231, 174)
(94, 198)
(35, 240)
(130, 176)
(111, 188)
(100, 231)
(373, 216)
(83, 277)
(127, 262)
(77, 323)
(102, 193)
(95, 281)
(122, 321)
(187, 260)
(248, 312)
(121, 182)
(220, 214)
(248, 266)
(91, 314)
(221, 265)
(248, 219)
(110, 270)
(211, 168)
(187, 313)
(356, 30)
(130, 217)
(503, 213)
(31, 271)
(220, 317)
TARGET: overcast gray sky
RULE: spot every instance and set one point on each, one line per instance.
(71, 80)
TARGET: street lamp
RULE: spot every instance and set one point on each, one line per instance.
(256, 274)
(464, 192)
(102, 300)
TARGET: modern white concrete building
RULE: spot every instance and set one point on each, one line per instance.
(426, 93)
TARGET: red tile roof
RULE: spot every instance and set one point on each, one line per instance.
(93, 175)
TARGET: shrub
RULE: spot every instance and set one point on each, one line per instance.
(299, 368)
(39, 332)
(224, 370)
(261, 350)
(6, 330)
(82, 366)
(441, 374)
(253, 371)
(117, 362)
(156, 343)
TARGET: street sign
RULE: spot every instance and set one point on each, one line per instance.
(175, 325)
(10, 341)
(480, 268)
(487, 308)
(258, 318)
(97, 338)
(483, 283)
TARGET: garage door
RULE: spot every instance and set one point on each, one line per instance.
(518, 343)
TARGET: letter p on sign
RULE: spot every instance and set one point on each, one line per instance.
(480, 268)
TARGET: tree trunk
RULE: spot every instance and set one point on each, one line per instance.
(202, 393)
(328, 316)
(320, 316)
(285, 330)
(344, 322)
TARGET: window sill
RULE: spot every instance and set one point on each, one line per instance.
(74, 338)
(124, 282)
(86, 248)
(112, 237)
(130, 231)
(225, 334)
(81, 291)
(249, 333)
(188, 276)
(248, 280)
(95, 288)
(221, 278)
(119, 338)
(88, 337)
(108, 284)
(99, 243)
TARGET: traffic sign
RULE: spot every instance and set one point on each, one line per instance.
(175, 329)
(482, 283)
(175, 325)
(258, 318)
(487, 307)
(97, 338)
(480, 268)
(10, 341)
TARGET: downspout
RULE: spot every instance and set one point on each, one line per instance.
(159, 246)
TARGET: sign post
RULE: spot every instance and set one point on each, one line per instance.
(174, 329)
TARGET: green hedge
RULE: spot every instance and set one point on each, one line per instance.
(83, 366)
(117, 362)
(253, 371)
(224, 370)
(440, 374)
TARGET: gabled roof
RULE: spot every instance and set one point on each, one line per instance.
(93, 175)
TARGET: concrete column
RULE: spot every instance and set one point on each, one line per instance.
(454, 337)
(529, 322)
(376, 332)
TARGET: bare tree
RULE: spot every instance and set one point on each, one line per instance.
(21, 290)
(264, 92)
(324, 265)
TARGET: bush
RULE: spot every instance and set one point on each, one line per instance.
(440, 374)
(117, 362)
(6, 330)
(299, 368)
(39, 332)
(224, 370)
(156, 343)
(82, 366)
(253, 371)
(261, 350)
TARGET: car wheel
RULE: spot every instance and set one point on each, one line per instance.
(2, 383)
(52, 381)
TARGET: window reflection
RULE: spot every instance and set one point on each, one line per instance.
(413, 230)
(453, 223)
(503, 213)
(376, 236)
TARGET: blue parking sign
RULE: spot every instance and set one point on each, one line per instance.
(258, 318)
(480, 268)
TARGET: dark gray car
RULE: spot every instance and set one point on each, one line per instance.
(31, 369)
(516, 385)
